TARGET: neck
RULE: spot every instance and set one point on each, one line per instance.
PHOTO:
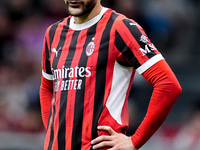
(84, 18)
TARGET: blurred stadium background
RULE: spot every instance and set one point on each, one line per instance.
(172, 25)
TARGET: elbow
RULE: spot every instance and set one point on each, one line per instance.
(177, 89)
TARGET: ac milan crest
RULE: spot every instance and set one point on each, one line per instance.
(90, 48)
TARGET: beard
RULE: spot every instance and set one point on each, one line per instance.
(80, 8)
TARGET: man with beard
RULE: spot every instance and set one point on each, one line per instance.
(89, 61)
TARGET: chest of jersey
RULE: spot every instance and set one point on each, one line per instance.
(77, 52)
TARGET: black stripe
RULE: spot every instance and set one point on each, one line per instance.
(47, 62)
(68, 22)
(52, 131)
(63, 100)
(137, 35)
(50, 113)
(51, 36)
(126, 51)
(101, 74)
(52, 33)
(79, 101)
(55, 63)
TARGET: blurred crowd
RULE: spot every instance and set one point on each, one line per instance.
(172, 25)
(22, 27)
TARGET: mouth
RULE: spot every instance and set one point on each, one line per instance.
(74, 3)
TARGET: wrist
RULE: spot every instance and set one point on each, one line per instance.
(132, 143)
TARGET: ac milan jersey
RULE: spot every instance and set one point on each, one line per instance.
(92, 66)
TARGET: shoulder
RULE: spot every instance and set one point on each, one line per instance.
(59, 24)
(127, 27)
(114, 16)
(128, 23)
(121, 22)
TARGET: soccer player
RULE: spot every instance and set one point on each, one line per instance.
(89, 61)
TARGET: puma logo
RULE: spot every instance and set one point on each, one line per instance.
(56, 51)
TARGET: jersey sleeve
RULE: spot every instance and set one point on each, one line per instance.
(46, 53)
(135, 47)
(166, 90)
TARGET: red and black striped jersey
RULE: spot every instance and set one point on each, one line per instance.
(92, 66)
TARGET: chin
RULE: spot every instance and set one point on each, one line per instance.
(75, 12)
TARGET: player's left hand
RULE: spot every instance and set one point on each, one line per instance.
(114, 141)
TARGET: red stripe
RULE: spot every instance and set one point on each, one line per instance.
(127, 37)
(61, 63)
(55, 41)
(72, 93)
(110, 63)
(89, 92)
(56, 119)
(58, 95)
(57, 38)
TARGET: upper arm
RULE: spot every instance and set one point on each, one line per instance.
(134, 46)
(46, 53)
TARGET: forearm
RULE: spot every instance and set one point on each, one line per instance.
(166, 91)
(46, 94)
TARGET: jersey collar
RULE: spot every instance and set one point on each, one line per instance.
(87, 24)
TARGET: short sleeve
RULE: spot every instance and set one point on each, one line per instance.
(135, 47)
(46, 65)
